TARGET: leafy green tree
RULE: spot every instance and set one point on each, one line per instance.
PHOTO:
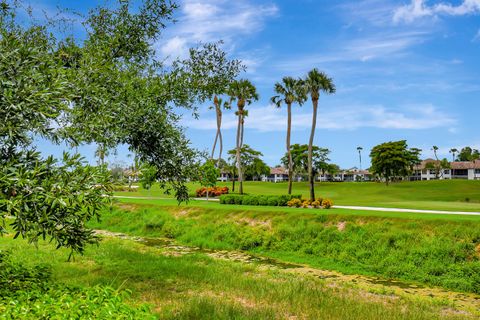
(215, 72)
(468, 154)
(249, 159)
(315, 83)
(208, 175)
(393, 159)
(299, 153)
(289, 92)
(256, 169)
(244, 92)
(106, 89)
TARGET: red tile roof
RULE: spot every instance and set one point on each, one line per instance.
(278, 170)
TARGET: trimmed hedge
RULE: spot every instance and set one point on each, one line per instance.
(257, 200)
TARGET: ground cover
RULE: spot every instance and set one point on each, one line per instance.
(199, 287)
(451, 195)
(434, 250)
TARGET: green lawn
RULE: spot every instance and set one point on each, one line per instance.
(451, 195)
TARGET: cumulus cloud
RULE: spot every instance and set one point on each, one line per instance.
(419, 9)
(270, 119)
(213, 20)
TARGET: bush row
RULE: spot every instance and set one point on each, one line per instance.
(319, 203)
(258, 200)
(212, 192)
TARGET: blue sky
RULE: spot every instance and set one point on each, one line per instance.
(403, 70)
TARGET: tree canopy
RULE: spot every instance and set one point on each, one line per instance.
(107, 88)
(300, 158)
(393, 159)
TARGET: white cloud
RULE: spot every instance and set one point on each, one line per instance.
(419, 9)
(270, 119)
(175, 47)
(213, 20)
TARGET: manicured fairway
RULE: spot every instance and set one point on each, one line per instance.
(452, 195)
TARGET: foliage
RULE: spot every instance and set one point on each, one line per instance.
(251, 163)
(51, 199)
(208, 174)
(148, 176)
(255, 200)
(393, 159)
(212, 191)
(30, 293)
(327, 203)
(468, 154)
(300, 158)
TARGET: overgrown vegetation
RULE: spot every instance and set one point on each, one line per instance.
(28, 292)
(435, 252)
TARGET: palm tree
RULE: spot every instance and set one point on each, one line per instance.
(315, 82)
(218, 104)
(453, 151)
(359, 149)
(244, 92)
(437, 166)
(289, 91)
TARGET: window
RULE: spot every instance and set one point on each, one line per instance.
(446, 171)
(477, 171)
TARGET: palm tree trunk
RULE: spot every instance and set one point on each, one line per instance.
(290, 162)
(240, 172)
(310, 151)
(239, 166)
(220, 139)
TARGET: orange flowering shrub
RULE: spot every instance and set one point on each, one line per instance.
(212, 192)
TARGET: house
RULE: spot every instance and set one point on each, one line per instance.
(426, 170)
(349, 175)
(224, 176)
(277, 174)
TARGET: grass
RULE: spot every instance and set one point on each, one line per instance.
(199, 287)
(435, 250)
(452, 195)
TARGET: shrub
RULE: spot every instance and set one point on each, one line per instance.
(273, 201)
(306, 203)
(316, 204)
(255, 200)
(327, 203)
(320, 200)
(295, 202)
(212, 191)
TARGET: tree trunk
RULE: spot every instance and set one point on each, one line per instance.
(240, 172)
(290, 161)
(207, 194)
(310, 151)
(239, 166)
(220, 139)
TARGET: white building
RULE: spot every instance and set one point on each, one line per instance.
(277, 174)
(468, 170)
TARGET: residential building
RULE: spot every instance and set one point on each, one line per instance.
(277, 174)
(427, 170)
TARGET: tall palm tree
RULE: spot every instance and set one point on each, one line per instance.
(289, 92)
(315, 83)
(218, 104)
(453, 151)
(244, 92)
(359, 149)
(437, 164)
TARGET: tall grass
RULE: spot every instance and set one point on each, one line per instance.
(439, 252)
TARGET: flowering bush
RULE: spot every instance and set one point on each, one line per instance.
(294, 203)
(306, 203)
(213, 191)
(327, 203)
(316, 204)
